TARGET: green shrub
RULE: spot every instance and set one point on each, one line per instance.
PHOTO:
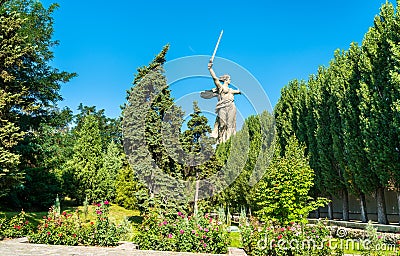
(15, 227)
(182, 233)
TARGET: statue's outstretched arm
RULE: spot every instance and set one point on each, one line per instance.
(213, 75)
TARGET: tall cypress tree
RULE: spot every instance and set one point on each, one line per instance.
(363, 180)
(337, 88)
(149, 101)
(312, 146)
(379, 92)
(201, 161)
(285, 113)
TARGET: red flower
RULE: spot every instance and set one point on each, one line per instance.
(46, 225)
(60, 235)
(279, 237)
(181, 231)
(48, 233)
(91, 223)
(169, 235)
(26, 222)
(64, 213)
(74, 235)
(106, 202)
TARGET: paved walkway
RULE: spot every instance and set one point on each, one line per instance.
(21, 247)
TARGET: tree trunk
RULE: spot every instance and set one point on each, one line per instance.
(398, 203)
(381, 204)
(317, 214)
(330, 208)
(196, 196)
(363, 208)
(345, 204)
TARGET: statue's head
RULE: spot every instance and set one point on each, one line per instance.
(225, 78)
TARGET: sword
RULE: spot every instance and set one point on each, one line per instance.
(216, 46)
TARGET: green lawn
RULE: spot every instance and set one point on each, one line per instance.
(117, 213)
(235, 239)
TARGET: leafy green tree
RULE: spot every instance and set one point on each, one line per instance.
(29, 86)
(10, 135)
(43, 180)
(110, 128)
(236, 195)
(283, 192)
(86, 161)
(259, 131)
(106, 176)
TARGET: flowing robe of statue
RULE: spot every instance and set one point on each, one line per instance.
(225, 123)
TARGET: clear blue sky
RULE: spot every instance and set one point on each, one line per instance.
(276, 41)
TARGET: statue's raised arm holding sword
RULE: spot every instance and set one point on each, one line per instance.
(225, 123)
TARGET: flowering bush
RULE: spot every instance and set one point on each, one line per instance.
(182, 233)
(68, 229)
(293, 239)
(15, 227)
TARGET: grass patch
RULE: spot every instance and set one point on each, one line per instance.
(235, 239)
(33, 217)
(117, 214)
